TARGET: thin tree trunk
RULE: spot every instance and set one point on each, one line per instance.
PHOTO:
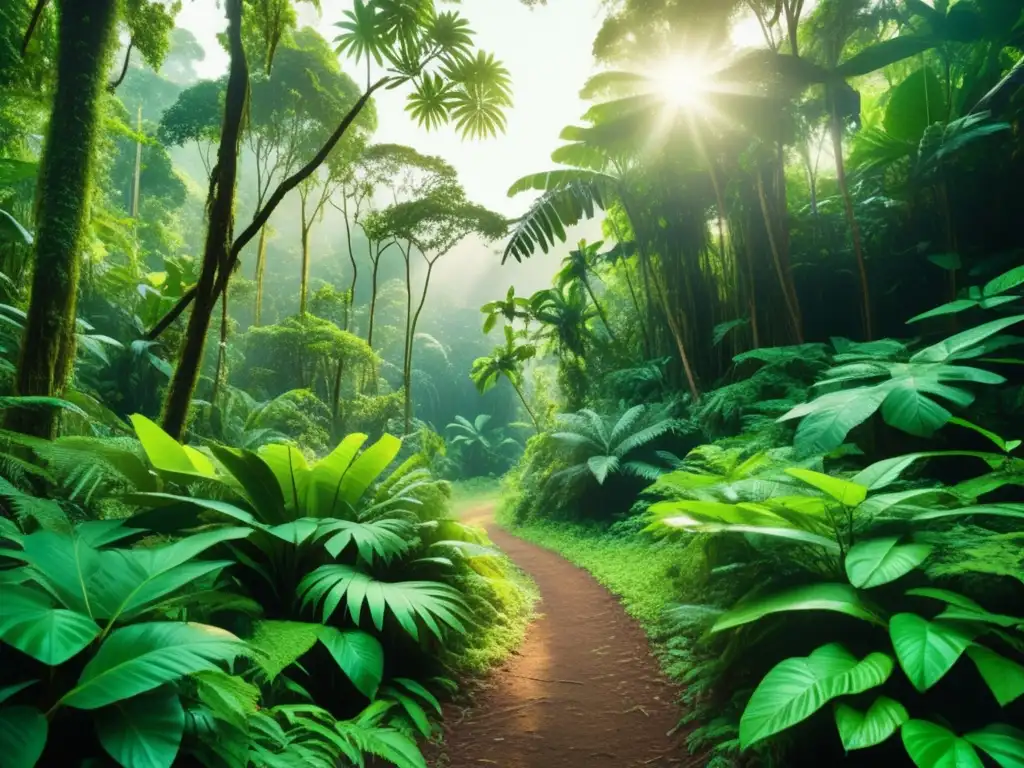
(336, 389)
(216, 253)
(261, 267)
(407, 358)
(373, 302)
(304, 279)
(784, 284)
(352, 259)
(86, 35)
(221, 373)
(522, 399)
(851, 220)
(599, 308)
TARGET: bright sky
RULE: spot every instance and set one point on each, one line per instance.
(547, 51)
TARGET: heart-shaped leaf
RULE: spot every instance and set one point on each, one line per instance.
(879, 561)
(797, 688)
(859, 730)
(932, 746)
(1003, 743)
(144, 731)
(30, 622)
(1005, 678)
(926, 650)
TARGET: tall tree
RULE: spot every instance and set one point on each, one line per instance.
(428, 49)
(86, 32)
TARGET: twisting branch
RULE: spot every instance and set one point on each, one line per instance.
(37, 12)
(112, 85)
(263, 215)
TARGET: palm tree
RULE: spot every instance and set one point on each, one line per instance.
(505, 361)
(476, 438)
(563, 313)
(600, 449)
(577, 267)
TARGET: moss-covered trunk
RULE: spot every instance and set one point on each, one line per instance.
(261, 268)
(85, 43)
(218, 233)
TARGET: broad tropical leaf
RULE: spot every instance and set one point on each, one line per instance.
(848, 493)
(359, 655)
(797, 688)
(141, 657)
(859, 730)
(1004, 677)
(145, 731)
(30, 622)
(22, 736)
(879, 561)
(932, 746)
(840, 598)
(926, 650)
(1003, 743)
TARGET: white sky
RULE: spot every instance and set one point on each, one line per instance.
(547, 52)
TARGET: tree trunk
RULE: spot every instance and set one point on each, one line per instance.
(851, 220)
(221, 374)
(261, 266)
(522, 399)
(304, 279)
(86, 35)
(218, 234)
(407, 359)
(600, 309)
(355, 266)
(784, 283)
(373, 302)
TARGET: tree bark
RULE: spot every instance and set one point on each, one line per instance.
(304, 277)
(86, 35)
(261, 268)
(216, 254)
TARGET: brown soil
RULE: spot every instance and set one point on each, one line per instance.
(582, 692)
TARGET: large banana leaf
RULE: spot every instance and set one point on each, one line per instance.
(142, 657)
(797, 688)
(256, 480)
(292, 472)
(367, 467)
(926, 650)
(840, 598)
(430, 602)
(167, 455)
(145, 731)
(327, 475)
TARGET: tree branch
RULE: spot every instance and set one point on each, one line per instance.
(37, 12)
(263, 215)
(112, 85)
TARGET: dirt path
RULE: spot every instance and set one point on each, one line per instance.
(583, 691)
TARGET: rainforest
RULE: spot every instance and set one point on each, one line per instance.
(515, 383)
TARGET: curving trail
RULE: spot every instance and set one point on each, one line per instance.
(583, 691)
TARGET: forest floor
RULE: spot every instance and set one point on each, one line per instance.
(583, 691)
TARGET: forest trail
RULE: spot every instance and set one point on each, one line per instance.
(582, 692)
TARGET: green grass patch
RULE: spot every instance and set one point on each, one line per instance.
(476, 490)
(646, 574)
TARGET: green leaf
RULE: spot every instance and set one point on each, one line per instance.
(879, 561)
(947, 349)
(859, 730)
(360, 656)
(845, 492)
(885, 472)
(950, 308)
(992, 436)
(1003, 743)
(910, 410)
(22, 736)
(840, 598)
(281, 643)
(792, 534)
(30, 622)
(367, 467)
(145, 731)
(798, 687)
(914, 104)
(828, 419)
(932, 746)
(997, 510)
(325, 478)
(138, 658)
(11, 230)
(882, 54)
(602, 466)
(165, 453)
(926, 650)
(1004, 282)
(10, 690)
(1004, 677)
(257, 481)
